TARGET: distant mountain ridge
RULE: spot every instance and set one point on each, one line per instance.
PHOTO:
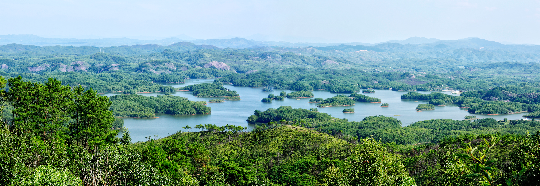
(236, 42)
(109, 42)
(414, 41)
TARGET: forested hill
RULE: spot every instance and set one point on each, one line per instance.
(469, 50)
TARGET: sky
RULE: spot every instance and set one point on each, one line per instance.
(366, 21)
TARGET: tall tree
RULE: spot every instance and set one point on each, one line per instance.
(40, 109)
(92, 119)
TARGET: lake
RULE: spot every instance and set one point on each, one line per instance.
(236, 112)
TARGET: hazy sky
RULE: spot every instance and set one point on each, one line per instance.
(367, 21)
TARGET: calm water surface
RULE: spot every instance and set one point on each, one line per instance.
(236, 112)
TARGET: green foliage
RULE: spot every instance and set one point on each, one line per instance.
(389, 129)
(368, 91)
(148, 106)
(384, 105)
(421, 107)
(52, 133)
(364, 98)
(470, 117)
(474, 105)
(533, 115)
(48, 175)
(210, 90)
(267, 100)
(438, 102)
(286, 113)
(278, 156)
(316, 100)
(216, 101)
(279, 98)
(300, 94)
(350, 110)
(339, 100)
(118, 123)
(52, 110)
(272, 97)
(475, 160)
(497, 107)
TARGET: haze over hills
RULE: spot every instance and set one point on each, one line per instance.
(247, 43)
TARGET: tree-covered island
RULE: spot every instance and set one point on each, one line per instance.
(211, 90)
(339, 100)
(148, 106)
(423, 107)
(300, 94)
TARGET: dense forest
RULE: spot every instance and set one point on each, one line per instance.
(364, 98)
(300, 94)
(56, 129)
(389, 129)
(339, 100)
(147, 106)
(422, 107)
(474, 105)
(210, 90)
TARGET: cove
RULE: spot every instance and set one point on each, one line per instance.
(236, 112)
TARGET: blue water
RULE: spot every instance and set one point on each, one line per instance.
(236, 112)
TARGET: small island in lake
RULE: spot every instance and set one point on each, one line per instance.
(364, 98)
(272, 97)
(300, 94)
(137, 106)
(211, 90)
(339, 100)
(216, 101)
(470, 117)
(422, 107)
(266, 100)
(368, 91)
(348, 110)
(384, 105)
